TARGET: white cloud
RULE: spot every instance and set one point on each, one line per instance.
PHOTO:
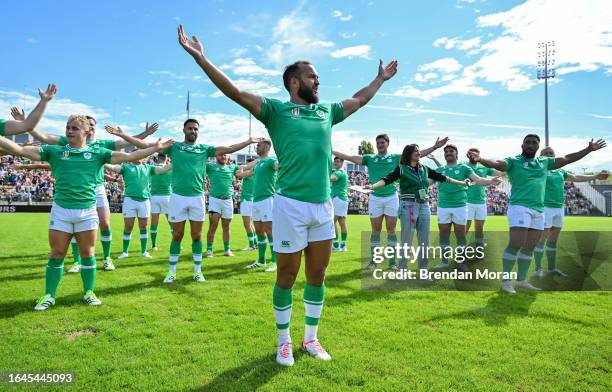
(294, 37)
(450, 43)
(32, 40)
(425, 77)
(341, 16)
(362, 51)
(409, 108)
(600, 116)
(464, 86)
(347, 35)
(446, 65)
(248, 67)
(58, 110)
(255, 86)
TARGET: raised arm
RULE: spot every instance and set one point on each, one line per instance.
(356, 159)
(163, 169)
(238, 146)
(120, 157)
(363, 96)
(437, 162)
(19, 115)
(438, 144)
(602, 175)
(476, 179)
(573, 157)
(126, 139)
(30, 152)
(193, 46)
(495, 164)
(30, 122)
(32, 166)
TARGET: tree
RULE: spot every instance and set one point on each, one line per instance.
(365, 148)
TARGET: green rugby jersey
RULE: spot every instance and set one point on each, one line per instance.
(477, 194)
(301, 135)
(528, 180)
(554, 194)
(104, 143)
(76, 173)
(264, 178)
(221, 179)
(246, 191)
(189, 167)
(378, 167)
(339, 188)
(2, 126)
(161, 184)
(451, 195)
(137, 180)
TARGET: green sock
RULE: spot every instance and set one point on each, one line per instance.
(538, 254)
(336, 243)
(196, 248)
(175, 251)
(88, 273)
(313, 306)
(282, 301)
(75, 252)
(126, 241)
(226, 246)
(445, 245)
(508, 260)
(524, 261)
(551, 255)
(53, 275)
(261, 248)
(374, 241)
(273, 259)
(154, 235)
(209, 246)
(479, 235)
(343, 239)
(106, 237)
(251, 237)
(143, 240)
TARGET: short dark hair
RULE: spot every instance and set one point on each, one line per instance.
(452, 147)
(474, 149)
(91, 118)
(250, 159)
(293, 70)
(407, 153)
(532, 135)
(338, 158)
(383, 136)
(190, 120)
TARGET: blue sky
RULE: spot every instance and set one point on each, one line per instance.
(466, 67)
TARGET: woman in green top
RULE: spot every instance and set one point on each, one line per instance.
(414, 211)
(76, 167)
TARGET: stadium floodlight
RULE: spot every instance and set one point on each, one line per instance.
(547, 57)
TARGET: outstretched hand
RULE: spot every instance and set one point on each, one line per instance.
(441, 142)
(596, 145)
(192, 46)
(473, 155)
(388, 71)
(151, 129)
(114, 131)
(17, 115)
(163, 145)
(49, 94)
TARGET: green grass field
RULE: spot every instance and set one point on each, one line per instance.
(220, 335)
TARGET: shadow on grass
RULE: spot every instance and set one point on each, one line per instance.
(501, 307)
(249, 376)
(15, 308)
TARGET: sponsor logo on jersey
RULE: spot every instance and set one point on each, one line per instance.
(320, 113)
(87, 155)
(65, 155)
(295, 112)
(285, 244)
